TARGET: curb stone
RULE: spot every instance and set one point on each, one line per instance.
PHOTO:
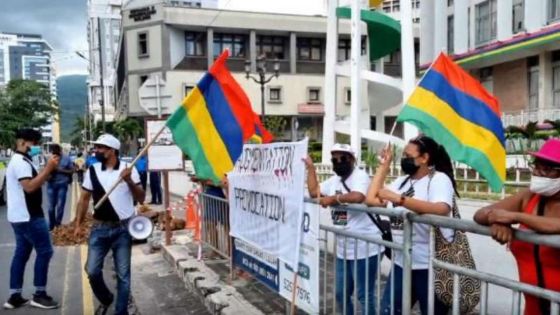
(218, 297)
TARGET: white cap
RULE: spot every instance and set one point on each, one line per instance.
(108, 141)
(342, 147)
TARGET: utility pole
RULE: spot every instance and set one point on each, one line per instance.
(102, 101)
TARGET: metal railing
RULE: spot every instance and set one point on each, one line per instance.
(329, 235)
(469, 181)
(214, 214)
(523, 117)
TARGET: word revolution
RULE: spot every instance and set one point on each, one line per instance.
(261, 204)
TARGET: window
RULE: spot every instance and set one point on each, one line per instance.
(235, 44)
(274, 94)
(450, 37)
(194, 43)
(143, 44)
(345, 46)
(518, 16)
(553, 10)
(485, 21)
(556, 85)
(310, 49)
(449, 3)
(533, 82)
(314, 95)
(347, 96)
(187, 88)
(272, 47)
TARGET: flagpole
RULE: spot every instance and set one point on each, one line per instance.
(142, 152)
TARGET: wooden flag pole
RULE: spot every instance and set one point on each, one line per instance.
(142, 152)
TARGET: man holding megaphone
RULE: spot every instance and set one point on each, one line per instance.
(110, 220)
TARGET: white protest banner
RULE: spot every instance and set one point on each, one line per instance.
(266, 190)
(307, 291)
(163, 154)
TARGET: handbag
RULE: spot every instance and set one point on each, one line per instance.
(457, 252)
(384, 226)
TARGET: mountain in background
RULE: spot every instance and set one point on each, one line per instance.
(72, 97)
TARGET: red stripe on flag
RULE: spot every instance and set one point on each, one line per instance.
(235, 96)
(463, 81)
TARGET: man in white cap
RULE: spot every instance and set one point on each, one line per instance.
(349, 185)
(110, 220)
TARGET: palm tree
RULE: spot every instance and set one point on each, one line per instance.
(128, 130)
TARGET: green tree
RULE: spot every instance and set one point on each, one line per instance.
(24, 104)
(128, 130)
(276, 125)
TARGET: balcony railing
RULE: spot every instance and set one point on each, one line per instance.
(521, 118)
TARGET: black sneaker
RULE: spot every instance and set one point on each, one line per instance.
(43, 301)
(15, 301)
(102, 309)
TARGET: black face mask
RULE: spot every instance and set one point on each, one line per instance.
(408, 166)
(100, 157)
(342, 167)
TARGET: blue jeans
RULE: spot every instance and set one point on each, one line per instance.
(31, 235)
(419, 293)
(102, 239)
(57, 201)
(360, 284)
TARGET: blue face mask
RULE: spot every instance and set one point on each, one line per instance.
(35, 150)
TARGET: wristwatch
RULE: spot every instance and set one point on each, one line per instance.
(401, 201)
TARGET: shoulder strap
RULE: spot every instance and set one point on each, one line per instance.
(376, 220)
(544, 304)
(533, 202)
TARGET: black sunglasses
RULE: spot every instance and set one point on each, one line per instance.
(341, 159)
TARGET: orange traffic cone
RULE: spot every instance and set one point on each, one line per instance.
(191, 212)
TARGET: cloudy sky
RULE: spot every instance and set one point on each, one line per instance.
(63, 23)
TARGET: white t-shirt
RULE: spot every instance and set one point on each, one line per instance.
(22, 206)
(357, 222)
(121, 198)
(441, 190)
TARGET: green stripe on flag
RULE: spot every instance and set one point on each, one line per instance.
(185, 137)
(457, 150)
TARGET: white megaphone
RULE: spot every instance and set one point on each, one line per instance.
(140, 227)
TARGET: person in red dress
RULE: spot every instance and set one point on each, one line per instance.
(536, 209)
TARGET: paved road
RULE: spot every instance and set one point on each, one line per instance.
(66, 281)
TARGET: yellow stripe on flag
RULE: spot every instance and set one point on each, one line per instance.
(469, 134)
(212, 144)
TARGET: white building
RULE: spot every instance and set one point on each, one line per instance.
(28, 56)
(104, 20)
(512, 46)
(180, 43)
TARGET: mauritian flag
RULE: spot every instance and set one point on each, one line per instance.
(454, 109)
(214, 121)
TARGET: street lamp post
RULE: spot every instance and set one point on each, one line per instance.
(262, 79)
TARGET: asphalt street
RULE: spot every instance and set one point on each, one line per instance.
(66, 283)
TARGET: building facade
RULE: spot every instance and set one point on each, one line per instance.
(511, 46)
(104, 35)
(28, 56)
(179, 43)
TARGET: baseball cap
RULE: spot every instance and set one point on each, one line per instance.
(108, 140)
(342, 147)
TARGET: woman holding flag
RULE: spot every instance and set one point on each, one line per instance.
(428, 188)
